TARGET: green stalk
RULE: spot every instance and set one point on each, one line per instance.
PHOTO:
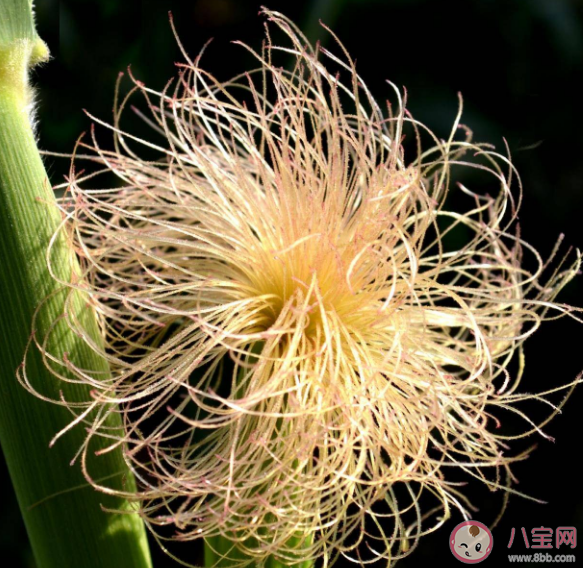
(220, 551)
(64, 517)
(217, 547)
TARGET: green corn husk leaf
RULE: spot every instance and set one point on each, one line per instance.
(64, 516)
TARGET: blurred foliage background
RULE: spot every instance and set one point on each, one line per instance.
(516, 63)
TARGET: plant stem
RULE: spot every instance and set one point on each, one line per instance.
(63, 515)
(219, 547)
(221, 551)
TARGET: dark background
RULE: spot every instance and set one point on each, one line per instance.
(516, 64)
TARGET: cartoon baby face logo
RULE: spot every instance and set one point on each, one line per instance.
(471, 542)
